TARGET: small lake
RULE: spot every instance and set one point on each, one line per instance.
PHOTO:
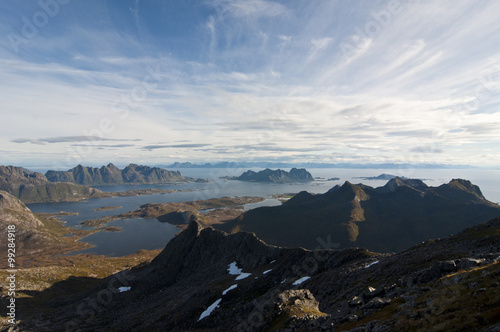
(137, 234)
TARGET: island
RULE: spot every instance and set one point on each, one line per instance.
(275, 176)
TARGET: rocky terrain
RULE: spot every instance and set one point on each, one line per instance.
(112, 175)
(207, 280)
(394, 217)
(276, 176)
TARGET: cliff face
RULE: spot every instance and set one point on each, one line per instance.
(396, 216)
(32, 187)
(111, 175)
(207, 280)
(277, 176)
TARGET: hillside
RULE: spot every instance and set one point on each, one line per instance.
(29, 230)
(276, 176)
(394, 217)
(112, 175)
(207, 280)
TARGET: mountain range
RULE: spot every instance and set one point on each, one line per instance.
(400, 214)
(264, 164)
(33, 187)
(112, 175)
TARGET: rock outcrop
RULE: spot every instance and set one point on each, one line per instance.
(402, 213)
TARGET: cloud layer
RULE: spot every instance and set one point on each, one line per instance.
(395, 81)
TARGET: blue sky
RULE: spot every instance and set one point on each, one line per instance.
(155, 82)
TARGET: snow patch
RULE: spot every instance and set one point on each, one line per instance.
(266, 272)
(371, 264)
(243, 276)
(230, 288)
(233, 269)
(301, 280)
(209, 310)
(272, 262)
(124, 289)
(283, 281)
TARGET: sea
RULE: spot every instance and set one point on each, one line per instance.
(150, 234)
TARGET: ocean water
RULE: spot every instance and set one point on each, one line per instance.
(151, 234)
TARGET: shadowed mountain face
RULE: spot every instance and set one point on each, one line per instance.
(207, 280)
(394, 217)
(112, 175)
(276, 176)
(33, 187)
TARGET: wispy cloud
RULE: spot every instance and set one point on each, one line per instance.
(266, 78)
(66, 139)
(175, 146)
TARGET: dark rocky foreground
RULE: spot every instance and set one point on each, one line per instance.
(440, 285)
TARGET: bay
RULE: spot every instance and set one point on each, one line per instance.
(145, 230)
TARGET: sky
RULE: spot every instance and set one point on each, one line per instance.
(154, 82)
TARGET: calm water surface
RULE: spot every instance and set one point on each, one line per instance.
(151, 234)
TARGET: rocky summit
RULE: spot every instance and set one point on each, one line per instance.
(394, 217)
(276, 176)
(112, 175)
(207, 280)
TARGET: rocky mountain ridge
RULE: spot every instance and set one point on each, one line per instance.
(207, 280)
(112, 175)
(402, 213)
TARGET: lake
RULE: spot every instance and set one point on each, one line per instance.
(140, 233)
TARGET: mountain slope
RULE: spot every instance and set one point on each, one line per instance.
(206, 280)
(396, 216)
(30, 233)
(112, 175)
